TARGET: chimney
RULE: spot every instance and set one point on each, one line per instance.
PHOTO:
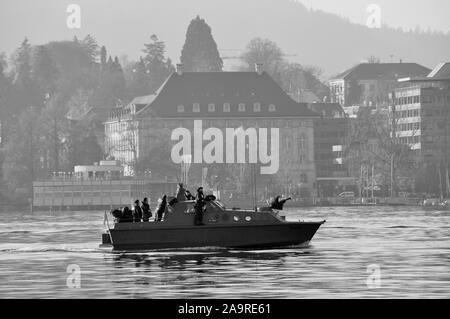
(259, 68)
(179, 69)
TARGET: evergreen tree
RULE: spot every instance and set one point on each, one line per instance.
(200, 53)
(22, 63)
(157, 66)
(22, 152)
(25, 92)
(139, 79)
(90, 46)
(111, 88)
(5, 101)
(44, 71)
(103, 55)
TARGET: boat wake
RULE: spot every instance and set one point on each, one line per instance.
(44, 249)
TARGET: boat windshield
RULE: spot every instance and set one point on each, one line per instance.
(219, 204)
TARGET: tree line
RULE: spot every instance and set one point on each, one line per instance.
(41, 85)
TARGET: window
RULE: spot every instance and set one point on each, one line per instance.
(241, 107)
(256, 107)
(226, 107)
(410, 99)
(236, 218)
(180, 108)
(196, 108)
(211, 107)
(248, 218)
(302, 149)
(272, 108)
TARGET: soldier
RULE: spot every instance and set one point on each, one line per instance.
(199, 203)
(137, 214)
(278, 202)
(181, 193)
(146, 212)
(161, 209)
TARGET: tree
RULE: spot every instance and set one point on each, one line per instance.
(44, 71)
(296, 79)
(292, 77)
(24, 87)
(90, 45)
(139, 79)
(156, 162)
(200, 53)
(103, 55)
(112, 88)
(5, 101)
(22, 161)
(267, 53)
(372, 141)
(157, 66)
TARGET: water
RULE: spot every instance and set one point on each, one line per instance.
(410, 246)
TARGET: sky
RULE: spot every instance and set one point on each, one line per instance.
(407, 14)
(124, 25)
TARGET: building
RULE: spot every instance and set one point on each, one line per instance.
(330, 134)
(420, 111)
(98, 186)
(246, 102)
(369, 84)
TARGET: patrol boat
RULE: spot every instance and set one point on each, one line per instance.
(222, 227)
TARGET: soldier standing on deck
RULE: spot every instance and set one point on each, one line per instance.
(137, 214)
(146, 212)
(199, 203)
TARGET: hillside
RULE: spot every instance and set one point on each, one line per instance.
(317, 38)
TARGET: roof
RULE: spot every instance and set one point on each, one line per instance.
(440, 73)
(371, 71)
(85, 111)
(219, 88)
(442, 70)
(143, 100)
(140, 102)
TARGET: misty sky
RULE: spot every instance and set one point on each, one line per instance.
(124, 25)
(433, 14)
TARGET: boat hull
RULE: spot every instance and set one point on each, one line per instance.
(242, 236)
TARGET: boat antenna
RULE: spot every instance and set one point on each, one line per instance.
(254, 187)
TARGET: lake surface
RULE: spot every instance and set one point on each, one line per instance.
(409, 248)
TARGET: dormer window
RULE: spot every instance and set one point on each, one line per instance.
(180, 108)
(196, 108)
(211, 107)
(272, 108)
(256, 107)
(241, 107)
(226, 107)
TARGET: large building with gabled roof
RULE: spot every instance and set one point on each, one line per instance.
(369, 84)
(140, 133)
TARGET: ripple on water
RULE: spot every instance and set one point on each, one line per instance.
(409, 245)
